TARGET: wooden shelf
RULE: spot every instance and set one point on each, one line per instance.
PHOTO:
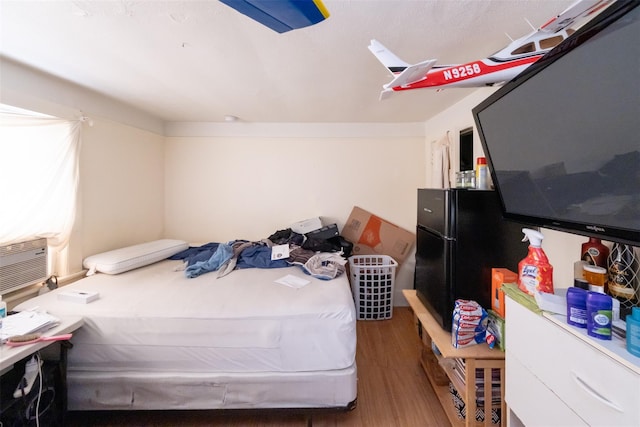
(478, 356)
(430, 364)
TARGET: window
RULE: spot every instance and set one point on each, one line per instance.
(550, 42)
(38, 176)
(525, 48)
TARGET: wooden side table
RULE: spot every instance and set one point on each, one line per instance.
(478, 356)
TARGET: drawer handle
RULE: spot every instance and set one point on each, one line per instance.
(590, 390)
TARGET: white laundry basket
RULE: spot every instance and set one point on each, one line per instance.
(372, 279)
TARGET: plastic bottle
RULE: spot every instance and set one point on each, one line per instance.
(535, 274)
(599, 315)
(596, 277)
(482, 174)
(595, 253)
(577, 307)
(622, 282)
(578, 275)
(633, 332)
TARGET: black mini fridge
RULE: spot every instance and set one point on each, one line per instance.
(460, 237)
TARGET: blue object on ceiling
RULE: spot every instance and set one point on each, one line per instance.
(281, 15)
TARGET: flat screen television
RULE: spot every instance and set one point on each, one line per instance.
(562, 139)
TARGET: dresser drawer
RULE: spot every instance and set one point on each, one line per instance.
(592, 384)
(533, 402)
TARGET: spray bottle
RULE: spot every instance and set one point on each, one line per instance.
(535, 274)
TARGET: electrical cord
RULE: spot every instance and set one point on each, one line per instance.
(40, 388)
(27, 407)
(29, 403)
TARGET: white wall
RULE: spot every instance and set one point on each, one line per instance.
(121, 187)
(220, 188)
(225, 188)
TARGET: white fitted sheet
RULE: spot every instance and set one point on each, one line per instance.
(154, 319)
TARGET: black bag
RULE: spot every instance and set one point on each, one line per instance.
(286, 236)
(332, 244)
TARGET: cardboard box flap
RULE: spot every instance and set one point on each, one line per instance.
(371, 234)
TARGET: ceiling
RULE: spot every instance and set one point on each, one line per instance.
(200, 60)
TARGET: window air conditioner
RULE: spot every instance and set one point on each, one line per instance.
(22, 264)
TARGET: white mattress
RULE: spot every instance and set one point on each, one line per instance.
(154, 319)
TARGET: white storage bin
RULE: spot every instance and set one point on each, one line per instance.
(372, 279)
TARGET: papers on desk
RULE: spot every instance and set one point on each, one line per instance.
(26, 322)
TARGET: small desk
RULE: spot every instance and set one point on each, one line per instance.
(12, 355)
(478, 356)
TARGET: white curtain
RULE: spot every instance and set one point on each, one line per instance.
(38, 176)
(440, 162)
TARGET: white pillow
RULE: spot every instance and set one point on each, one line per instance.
(125, 259)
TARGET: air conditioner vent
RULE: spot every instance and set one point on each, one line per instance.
(22, 264)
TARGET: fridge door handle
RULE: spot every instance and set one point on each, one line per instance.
(427, 210)
(437, 233)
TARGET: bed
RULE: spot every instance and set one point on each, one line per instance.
(155, 339)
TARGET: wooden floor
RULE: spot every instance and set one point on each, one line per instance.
(392, 391)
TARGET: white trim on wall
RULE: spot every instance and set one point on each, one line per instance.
(294, 130)
(26, 87)
(32, 89)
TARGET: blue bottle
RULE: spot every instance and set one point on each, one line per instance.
(577, 307)
(633, 331)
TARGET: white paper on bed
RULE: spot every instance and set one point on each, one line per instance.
(279, 252)
(292, 281)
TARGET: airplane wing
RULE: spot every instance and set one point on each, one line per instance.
(577, 10)
(281, 16)
(386, 57)
(412, 74)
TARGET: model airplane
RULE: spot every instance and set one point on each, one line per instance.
(500, 67)
(281, 15)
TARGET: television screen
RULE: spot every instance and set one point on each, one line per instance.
(563, 138)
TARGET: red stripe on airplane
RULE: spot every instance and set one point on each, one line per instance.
(450, 75)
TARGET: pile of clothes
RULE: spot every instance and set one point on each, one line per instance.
(318, 257)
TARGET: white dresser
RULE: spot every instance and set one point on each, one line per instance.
(556, 375)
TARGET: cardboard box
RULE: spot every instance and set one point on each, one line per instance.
(371, 234)
(498, 277)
